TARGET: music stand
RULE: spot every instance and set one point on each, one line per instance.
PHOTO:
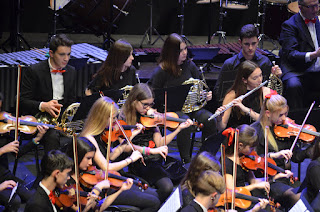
(204, 56)
(176, 96)
(88, 101)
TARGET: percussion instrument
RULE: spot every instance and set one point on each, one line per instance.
(293, 6)
(237, 4)
(206, 1)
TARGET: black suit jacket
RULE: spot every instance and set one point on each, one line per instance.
(39, 202)
(296, 41)
(192, 207)
(37, 87)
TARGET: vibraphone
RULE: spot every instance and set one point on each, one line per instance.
(93, 55)
(226, 50)
(30, 57)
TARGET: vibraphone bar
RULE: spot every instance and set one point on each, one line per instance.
(30, 57)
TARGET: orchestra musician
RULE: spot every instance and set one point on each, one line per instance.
(50, 85)
(249, 41)
(300, 52)
(55, 167)
(85, 153)
(175, 68)
(97, 120)
(246, 111)
(246, 143)
(311, 182)
(116, 71)
(149, 142)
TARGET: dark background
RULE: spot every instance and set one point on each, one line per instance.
(37, 17)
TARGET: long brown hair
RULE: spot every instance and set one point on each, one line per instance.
(246, 68)
(203, 161)
(139, 92)
(209, 182)
(275, 104)
(170, 54)
(98, 117)
(110, 71)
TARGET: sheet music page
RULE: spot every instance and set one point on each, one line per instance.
(13, 191)
(299, 207)
(173, 203)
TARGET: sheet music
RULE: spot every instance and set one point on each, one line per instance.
(299, 207)
(13, 191)
(173, 203)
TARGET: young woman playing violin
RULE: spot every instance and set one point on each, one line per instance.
(247, 141)
(274, 112)
(149, 142)
(174, 69)
(249, 76)
(85, 152)
(98, 119)
(117, 70)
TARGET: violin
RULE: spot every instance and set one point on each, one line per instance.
(172, 120)
(243, 198)
(116, 132)
(27, 124)
(255, 162)
(67, 197)
(93, 176)
(290, 128)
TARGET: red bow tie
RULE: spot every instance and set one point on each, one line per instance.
(52, 197)
(310, 20)
(58, 71)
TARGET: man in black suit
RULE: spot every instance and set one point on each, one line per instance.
(49, 86)
(55, 167)
(300, 63)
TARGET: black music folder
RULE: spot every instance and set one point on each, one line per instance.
(176, 96)
(203, 54)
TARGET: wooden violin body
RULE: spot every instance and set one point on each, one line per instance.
(116, 132)
(255, 162)
(290, 128)
(93, 176)
(243, 198)
(172, 120)
(67, 197)
(7, 124)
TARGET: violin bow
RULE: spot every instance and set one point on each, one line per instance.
(266, 153)
(127, 138)
(302, 125)
(16, 132)
(223, 171)
(109, 141)
(165, 118)
(76, 170)
(235, 156)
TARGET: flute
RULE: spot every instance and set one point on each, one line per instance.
(229, 105)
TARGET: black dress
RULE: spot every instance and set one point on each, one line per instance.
(126, 78)
(252, 101)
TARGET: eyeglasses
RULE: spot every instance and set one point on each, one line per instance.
(310, 6)
(145, 105)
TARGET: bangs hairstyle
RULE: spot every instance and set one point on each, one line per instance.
(209, 182)
(59, 40)
(110, 71)
(98, 117)
(170, 54)
(203, 161)
(249, 31)
(275, 104)
(139, 92)
(55, 160)
(83, 147)
(246, 68)
(247, 136)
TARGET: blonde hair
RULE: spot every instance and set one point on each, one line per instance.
(209, 182)
(98, 117)
(275, 104)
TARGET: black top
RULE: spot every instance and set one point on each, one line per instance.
(253, 102)
(162, 79)
(229, 71)
(126, 78)
(242, 175)
(39, 202)
(312, 180)
(192, 207)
